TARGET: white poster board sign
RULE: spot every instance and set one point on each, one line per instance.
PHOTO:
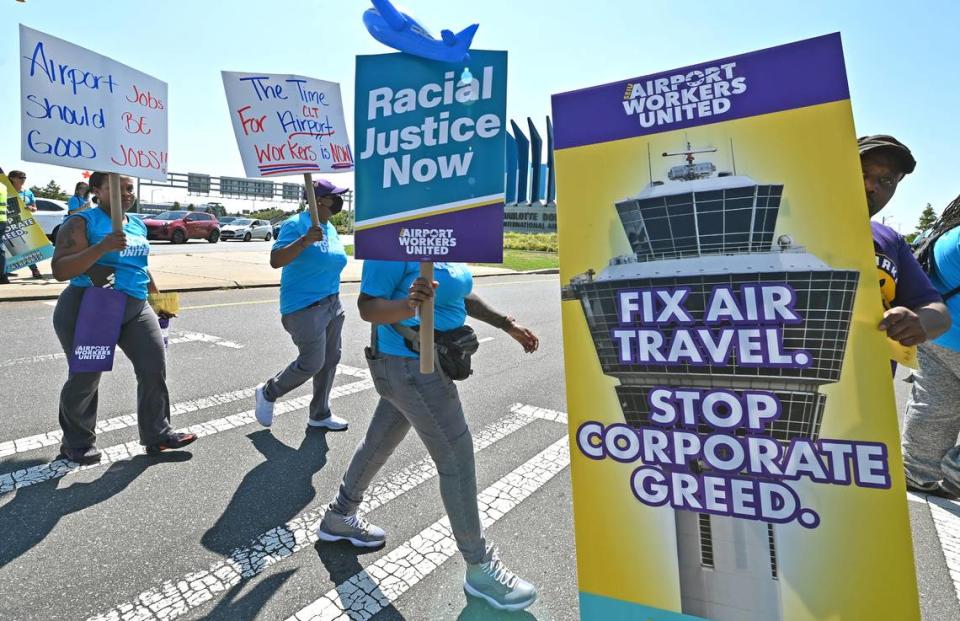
(287, 124)
(83, 110)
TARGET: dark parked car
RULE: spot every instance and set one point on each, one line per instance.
(179, 226)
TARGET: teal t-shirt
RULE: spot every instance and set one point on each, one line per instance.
(129, 267)
(946, 278)
(315, 273)
(391, 280)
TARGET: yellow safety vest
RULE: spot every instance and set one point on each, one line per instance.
(3, 204)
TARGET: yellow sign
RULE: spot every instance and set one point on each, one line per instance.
(24, 242)
(733, 435)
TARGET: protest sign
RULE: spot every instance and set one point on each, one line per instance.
(735, 449)
(287, 124)
(84, 110)
(431, 144)
(24, 242)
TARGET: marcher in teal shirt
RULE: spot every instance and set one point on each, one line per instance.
(312, 258)
(90, 254)
(391, 292)
(79, 200)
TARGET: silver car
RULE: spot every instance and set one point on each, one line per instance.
(247, 229)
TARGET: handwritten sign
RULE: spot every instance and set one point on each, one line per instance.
(287, 124)
(83, 110)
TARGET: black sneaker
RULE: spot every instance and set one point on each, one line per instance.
(4, 280)
(36, 273)
(175, 440)
(83, 456)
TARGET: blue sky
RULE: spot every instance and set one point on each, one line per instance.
(901, 61)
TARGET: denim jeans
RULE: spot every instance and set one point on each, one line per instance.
(430, 404)
(316, 333)
(932, 419)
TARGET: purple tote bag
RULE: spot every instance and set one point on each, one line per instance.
(98, 330)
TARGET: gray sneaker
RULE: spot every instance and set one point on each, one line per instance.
(492, 581)
(353, 528)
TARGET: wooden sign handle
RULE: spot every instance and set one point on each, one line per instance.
(426, 323)
(311, 199)
(116, 203)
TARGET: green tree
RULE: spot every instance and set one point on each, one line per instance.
(51, 190)
(267, 214)
(217, 209)
(190, 207)
(927, 218)
(176, 205)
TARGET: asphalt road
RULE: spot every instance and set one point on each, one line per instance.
(223, 530)
(150, 536)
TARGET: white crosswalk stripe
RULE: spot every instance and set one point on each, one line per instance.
(177, 337)
(175, 598)
(52, 438)
(946, 519)
(62, 467)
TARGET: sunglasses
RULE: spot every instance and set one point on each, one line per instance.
(18, 176)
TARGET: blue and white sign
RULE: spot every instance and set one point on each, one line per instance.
(430, 165)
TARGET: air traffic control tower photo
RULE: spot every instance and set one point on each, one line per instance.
(699, 229)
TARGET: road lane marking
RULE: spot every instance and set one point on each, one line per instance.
(247, 302)
(185, 336)
(343, 295)
(61, 467)
(174, 598)
(367, 592)
(946, 520)
(485, 339)
(52, 438)
(12, 362)
(177, 337)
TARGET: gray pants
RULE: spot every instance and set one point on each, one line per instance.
(431, 405)
(141, 341)
(932, 420)
(316, 333)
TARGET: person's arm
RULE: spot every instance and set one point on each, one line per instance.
(917, 325)
(281, 257)
(73, 256)
(918, 314)
(478, 309)
(382, 310)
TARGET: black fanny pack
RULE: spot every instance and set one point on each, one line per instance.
(454, 348)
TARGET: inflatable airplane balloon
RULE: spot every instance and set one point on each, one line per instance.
(401, 32)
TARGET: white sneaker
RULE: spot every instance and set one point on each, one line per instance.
(264, 408)
(332, 422)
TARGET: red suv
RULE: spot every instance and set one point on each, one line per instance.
(179, 226)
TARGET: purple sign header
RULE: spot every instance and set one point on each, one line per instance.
(806, 73)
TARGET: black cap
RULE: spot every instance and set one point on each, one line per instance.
(890, 145)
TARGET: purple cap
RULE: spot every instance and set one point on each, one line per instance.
(322, 187)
